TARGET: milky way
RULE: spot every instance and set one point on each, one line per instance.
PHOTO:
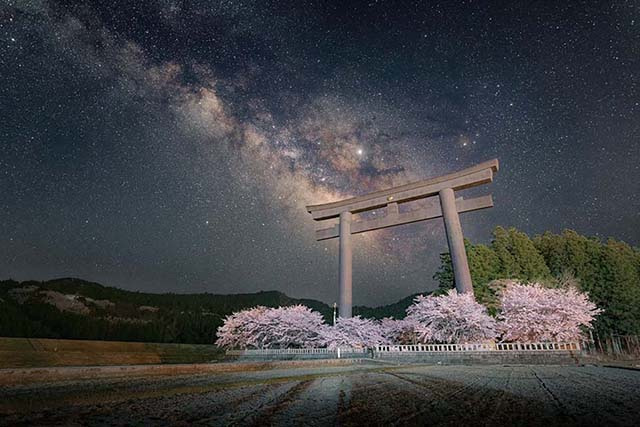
(173, 146)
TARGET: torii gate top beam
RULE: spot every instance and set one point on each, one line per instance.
(392, 217)
(467, 178)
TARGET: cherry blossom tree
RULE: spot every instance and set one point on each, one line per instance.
(283, 327)
(354, 332)
(401, 331)
(239, 328)
(451, 318)
(531, 313)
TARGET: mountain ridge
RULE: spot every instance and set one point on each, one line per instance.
(74, 308)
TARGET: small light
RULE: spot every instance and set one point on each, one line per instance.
(390, 198)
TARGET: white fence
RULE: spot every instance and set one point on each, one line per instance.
(457, 348)
(413, 348)
(337, 352)
(538, 346)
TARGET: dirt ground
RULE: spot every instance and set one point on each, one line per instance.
(351, 394)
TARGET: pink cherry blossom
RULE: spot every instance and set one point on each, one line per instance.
(402, 331)
(261, 327)
(354, 332)
(451, 318)
(532, 313)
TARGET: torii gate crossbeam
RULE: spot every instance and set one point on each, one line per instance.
(445, 205)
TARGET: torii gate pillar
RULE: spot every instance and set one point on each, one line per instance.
(453, 230)
(345, 265)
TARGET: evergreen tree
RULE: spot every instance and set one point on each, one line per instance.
(484, 265)
(620, 276)
(444, 275)
(519, 258)
(501, 245)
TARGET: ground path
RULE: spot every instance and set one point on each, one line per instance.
(350, 394)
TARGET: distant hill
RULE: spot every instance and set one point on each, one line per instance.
(396, 310)
(77, 309)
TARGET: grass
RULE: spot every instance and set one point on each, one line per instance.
(40, 352)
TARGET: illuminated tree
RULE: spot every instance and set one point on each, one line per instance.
(399, 331)
(283, 327)
(354, 332)
(451, 318)
(532, 313)
(238, 328)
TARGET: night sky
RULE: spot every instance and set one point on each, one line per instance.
(173, 145)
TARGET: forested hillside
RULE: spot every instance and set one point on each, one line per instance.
(74, 308)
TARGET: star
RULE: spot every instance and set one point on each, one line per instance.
(119, 130)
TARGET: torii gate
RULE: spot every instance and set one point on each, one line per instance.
(441, 194)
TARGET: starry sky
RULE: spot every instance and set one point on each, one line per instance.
(173, 145)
